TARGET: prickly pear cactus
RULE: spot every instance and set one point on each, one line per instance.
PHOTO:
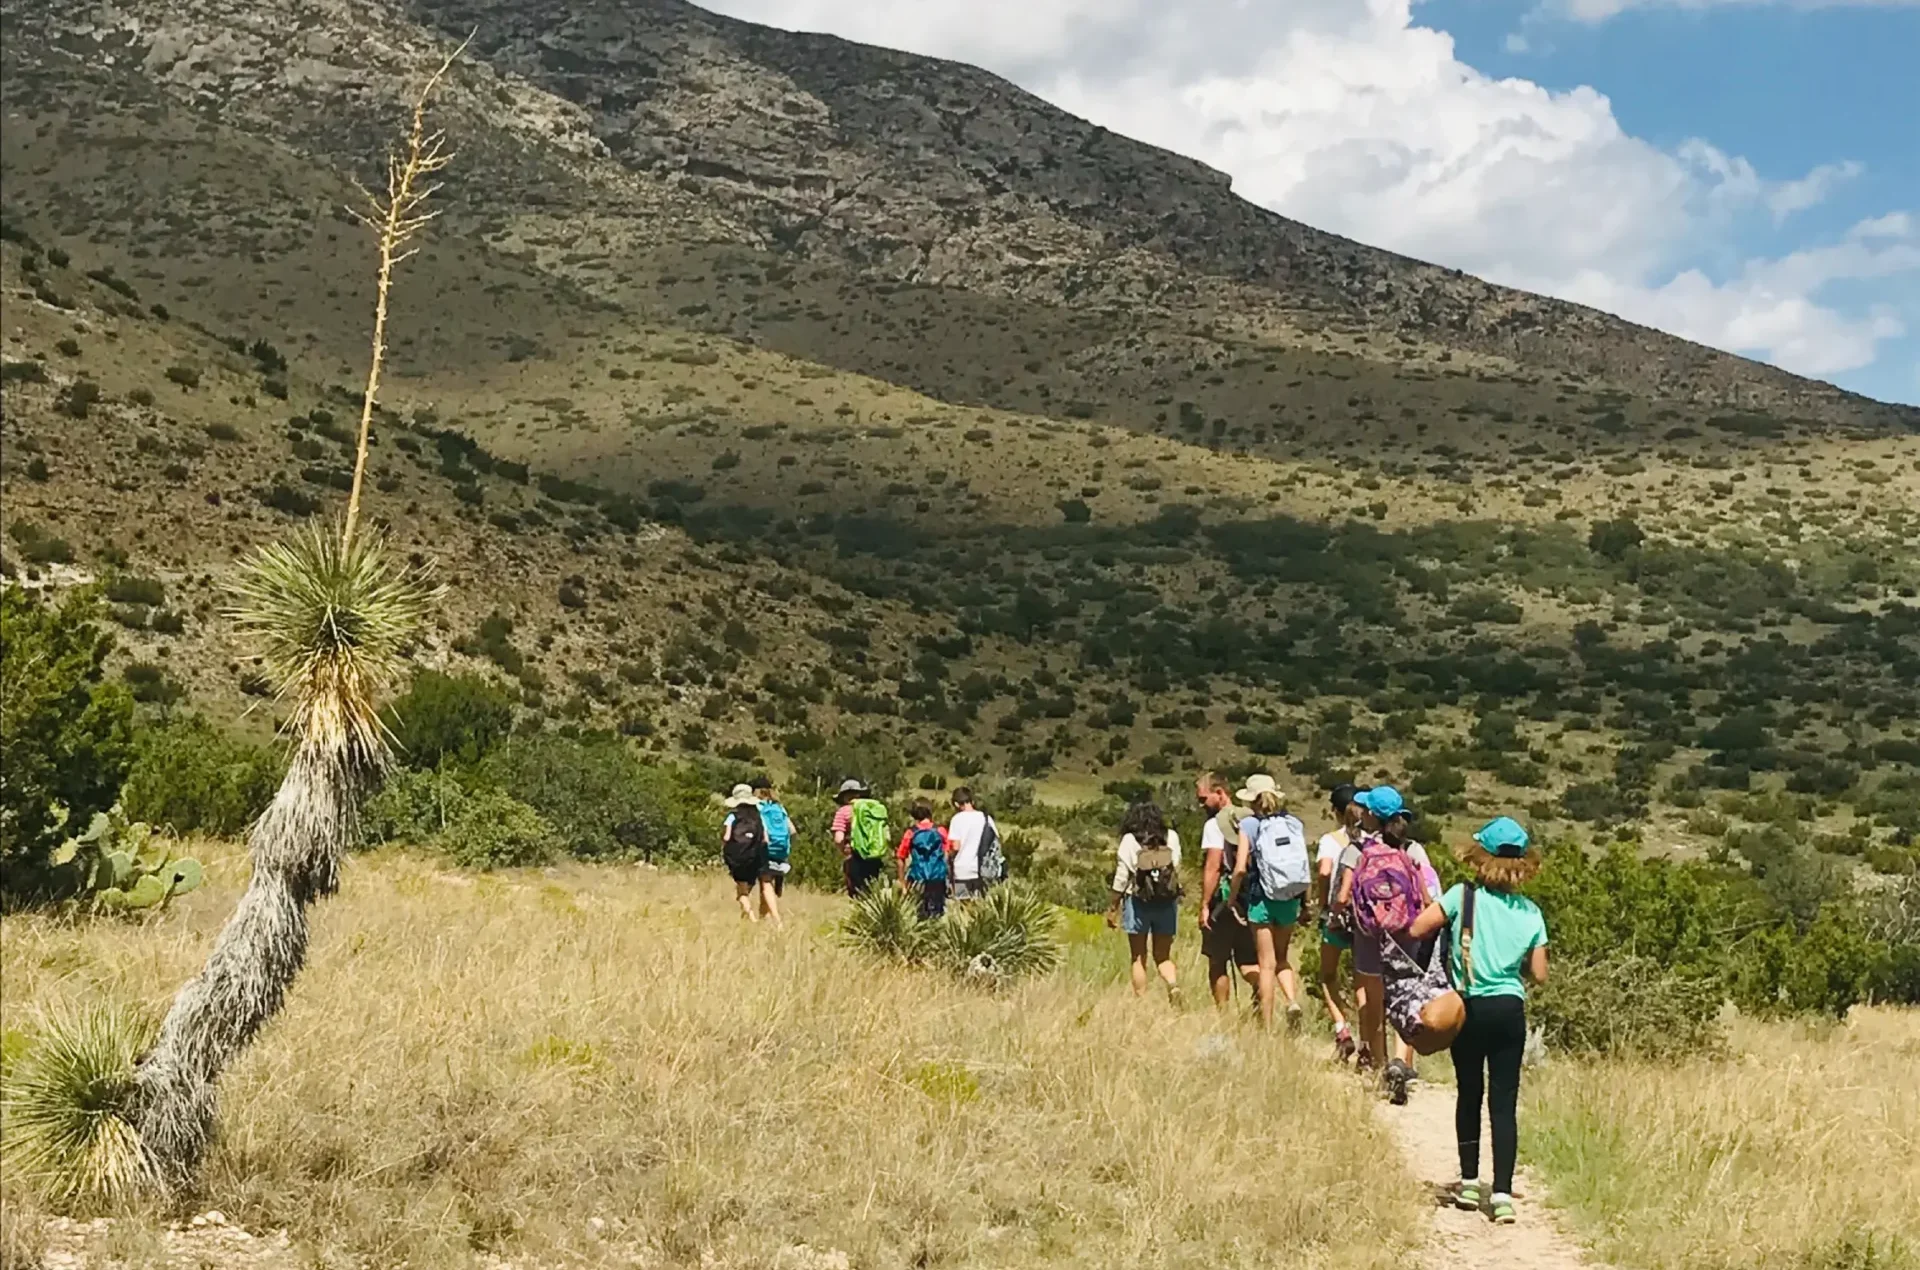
(123, 866)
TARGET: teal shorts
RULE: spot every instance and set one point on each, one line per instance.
(1334, 939)
(1274, 912)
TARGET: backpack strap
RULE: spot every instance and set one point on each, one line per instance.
(1466, 934)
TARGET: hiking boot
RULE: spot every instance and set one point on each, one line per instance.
(1503, 1213)
(1468, 1196)
(1398, 1077)
(1363, 1061)
(1343, 1047)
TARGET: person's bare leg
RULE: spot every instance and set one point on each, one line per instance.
(1373, 1014)
(769, 901)
(1289, 981)
(1137, 945)
(1163, 961)
(1330, 984)
(1269, 971)
(1220, 979)
(743, 893)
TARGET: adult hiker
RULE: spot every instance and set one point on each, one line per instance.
(925, 857)
(779, 829)
(1226, 941)
(978, 861)
(1385, 892)
(1497, 935)
(743, 845)
(1146, 894)
(1270, 880)
(1336, 853)
(860, 831)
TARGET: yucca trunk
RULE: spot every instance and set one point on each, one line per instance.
(296, 847)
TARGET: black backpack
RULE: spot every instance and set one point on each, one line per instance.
(746, 847)
(1155, 879)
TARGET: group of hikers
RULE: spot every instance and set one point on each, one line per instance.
(955, 862)
(1447, 967)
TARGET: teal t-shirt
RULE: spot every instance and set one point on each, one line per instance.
(1506, 928)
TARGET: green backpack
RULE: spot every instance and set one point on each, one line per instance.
(868, 833)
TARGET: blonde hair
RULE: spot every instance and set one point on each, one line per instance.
(1214, 780)
(1501, 872)
(1268, 803)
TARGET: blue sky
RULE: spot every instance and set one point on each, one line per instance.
(1741, 172)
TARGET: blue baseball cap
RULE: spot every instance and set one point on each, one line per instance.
(1504, 836)
(1383, 801)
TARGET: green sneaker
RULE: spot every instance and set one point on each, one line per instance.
(1503, 1210)
(1468, 1197)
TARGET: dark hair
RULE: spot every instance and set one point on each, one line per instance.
(962, 795)
(747, 816)
(763, 782)
(923, 810)
(1144, 821)
(1343, 796)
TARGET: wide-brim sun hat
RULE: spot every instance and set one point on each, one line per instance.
(1504, 836)
(1257, 784)
(1384, 801)
(741, 794)
(851, 787)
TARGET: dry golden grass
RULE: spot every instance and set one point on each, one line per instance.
(491, 1064)
(1799, 1153)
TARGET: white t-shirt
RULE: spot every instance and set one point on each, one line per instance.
(1331, 845)
(965, 831)
(1129, 853)
(1212, 837)
(1418, 854)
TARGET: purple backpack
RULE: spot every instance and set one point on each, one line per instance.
(1387, 893)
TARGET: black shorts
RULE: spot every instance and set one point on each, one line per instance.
(749, 873)
(861, 872)
(1229, 941)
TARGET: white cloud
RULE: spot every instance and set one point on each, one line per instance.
(1892, 225)
(1601, 10)
(1349, 116)
(1810, 190)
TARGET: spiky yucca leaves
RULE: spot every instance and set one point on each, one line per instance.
(67, 1109)
(885, 921)
(331, 619)
(1009, 933)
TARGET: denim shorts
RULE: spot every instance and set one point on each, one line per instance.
(1149, 917)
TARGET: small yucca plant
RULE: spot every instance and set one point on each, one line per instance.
(67, 1109)
(886, 922)
(1009, 933)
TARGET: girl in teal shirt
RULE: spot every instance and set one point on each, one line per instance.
(1498, 934)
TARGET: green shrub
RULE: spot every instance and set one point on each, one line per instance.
(187, 377)
(602, 801)
(450, 719)
(1629, 1006)
(190, 777)
(493, 830)
(68, 730)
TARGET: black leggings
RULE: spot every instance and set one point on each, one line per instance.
(1486, 1064)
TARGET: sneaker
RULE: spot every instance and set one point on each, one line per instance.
(1468, 1196)
(1343, 1047)
(1295, 1016)
(1503, 1210)
(1363, 1061)
(1398, 1076)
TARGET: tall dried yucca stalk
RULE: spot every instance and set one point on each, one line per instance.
(331, 611)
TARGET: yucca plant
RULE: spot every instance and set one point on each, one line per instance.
(65, 1106)
(331, 612)
(886, 922)
(1009, 933)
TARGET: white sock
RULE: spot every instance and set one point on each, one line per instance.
(1498, 1196)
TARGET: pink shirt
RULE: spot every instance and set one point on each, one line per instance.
(843, 820)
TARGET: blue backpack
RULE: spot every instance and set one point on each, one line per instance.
(927, 856)
(779, 827)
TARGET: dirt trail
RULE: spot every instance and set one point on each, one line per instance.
(1469, 1241)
